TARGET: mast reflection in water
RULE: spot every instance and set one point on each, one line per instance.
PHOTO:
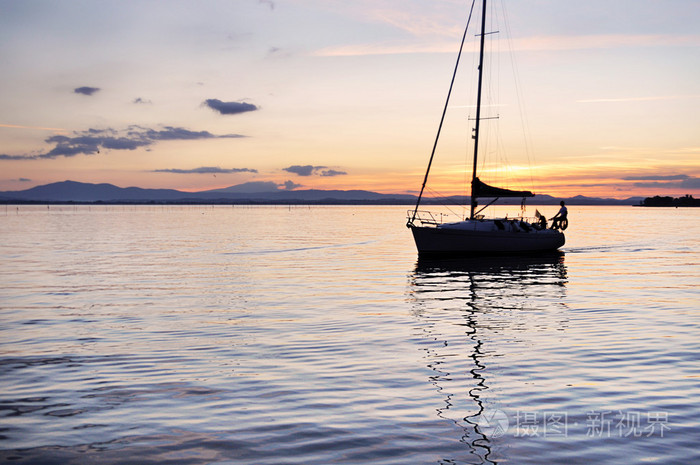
(474, 314)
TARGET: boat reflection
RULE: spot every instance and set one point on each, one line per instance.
(471, 312)
(534, 263)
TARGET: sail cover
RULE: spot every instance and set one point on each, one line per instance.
(481, 189)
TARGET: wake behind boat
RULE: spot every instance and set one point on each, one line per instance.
(477, 234)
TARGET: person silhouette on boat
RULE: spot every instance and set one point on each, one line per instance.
(559, 221)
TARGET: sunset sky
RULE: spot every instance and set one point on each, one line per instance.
(339, 94)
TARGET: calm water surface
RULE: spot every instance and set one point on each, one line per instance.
(277, 335)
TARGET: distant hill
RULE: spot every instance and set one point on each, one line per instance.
(71, 191)
(251, 193)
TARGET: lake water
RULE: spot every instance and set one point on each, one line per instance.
(313, 335)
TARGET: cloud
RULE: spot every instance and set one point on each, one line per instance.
(605, 41)
(308, 170)
(91, 141)
(675, 181)
(533, 43)
(305, 170)
(139, 100)
(173, 133)
(333, 173)
(207, 170)
(24, 180)
(269, 3)
(229, 108)
(85, 90)
(639, 99)
(290, 185)
(673, 177)
(279, 53)
(690, 183)
(693, 183)
(17, 126)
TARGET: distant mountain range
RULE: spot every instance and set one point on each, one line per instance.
(249, 193)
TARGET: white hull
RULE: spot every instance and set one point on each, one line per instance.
(482, 237)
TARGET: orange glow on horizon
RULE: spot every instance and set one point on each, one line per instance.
(443, 184)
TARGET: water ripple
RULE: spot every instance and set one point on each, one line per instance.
(291, 336)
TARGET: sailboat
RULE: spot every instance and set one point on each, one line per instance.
(477, 235)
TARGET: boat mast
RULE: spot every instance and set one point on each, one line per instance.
(478, 107)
